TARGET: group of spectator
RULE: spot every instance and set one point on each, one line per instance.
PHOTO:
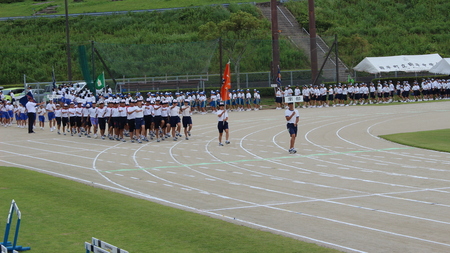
(362, 93)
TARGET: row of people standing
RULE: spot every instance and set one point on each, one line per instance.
(353, 94)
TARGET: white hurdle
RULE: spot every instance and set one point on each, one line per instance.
(5, 250)
(98, 246)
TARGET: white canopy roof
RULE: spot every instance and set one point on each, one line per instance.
(442, 67)
(405, 63)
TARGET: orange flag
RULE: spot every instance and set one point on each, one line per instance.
(226, 84)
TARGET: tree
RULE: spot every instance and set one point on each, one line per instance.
(355, 48)
(237, 33)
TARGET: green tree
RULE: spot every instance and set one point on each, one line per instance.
(354, 49)
(237, 33)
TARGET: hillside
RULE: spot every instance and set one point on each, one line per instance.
(364, 28)
(381, 27)
(31, 7)
(33, 46)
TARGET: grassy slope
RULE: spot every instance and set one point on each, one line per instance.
(58, 215)
(28, 7)
(381, 27)
(435, 140)
(33, 46)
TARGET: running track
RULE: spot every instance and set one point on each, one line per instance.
(345, 188)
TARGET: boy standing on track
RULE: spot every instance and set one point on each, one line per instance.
(223, 124)
(292, 118)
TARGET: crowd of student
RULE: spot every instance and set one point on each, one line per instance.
(353, 94)
(160, 115)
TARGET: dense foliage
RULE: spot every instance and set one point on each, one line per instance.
(381, 27)
(33, 46)
(10, 1)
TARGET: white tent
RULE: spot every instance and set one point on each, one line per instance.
(405, 63)
(442, 67)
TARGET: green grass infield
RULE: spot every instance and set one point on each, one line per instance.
(438, 140)
(59, 215)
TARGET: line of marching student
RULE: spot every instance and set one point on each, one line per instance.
(318, 96)
(135, 119)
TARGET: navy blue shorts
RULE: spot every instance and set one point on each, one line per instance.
(174, 120)
(187, 120)
(292, 129)
(139, 122)
(131, 125)
(222, 125)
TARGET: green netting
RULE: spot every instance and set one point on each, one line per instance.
(159, 59)
(85, 67)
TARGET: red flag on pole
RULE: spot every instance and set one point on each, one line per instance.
(226, 84)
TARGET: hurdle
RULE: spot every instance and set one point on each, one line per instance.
(98, 246)
(8, 245)
(5, 250)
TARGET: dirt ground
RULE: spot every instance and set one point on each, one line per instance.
(345, 188)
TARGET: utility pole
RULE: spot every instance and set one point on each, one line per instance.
(313, 41)
(220, 61)
(275, 42)
(69, 58)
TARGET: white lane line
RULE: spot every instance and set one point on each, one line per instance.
(48, 151)
(47, 160)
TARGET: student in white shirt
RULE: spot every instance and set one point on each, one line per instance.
(101, 116)
(292, 118)
(174, 120)
(222, 124)
(41, 114)
(187, 120)
(58, 115)
(72, 118)
(278, 98)
(248, 100)
(51, 107)
(139, 120)
(92, 117)
(131, 116)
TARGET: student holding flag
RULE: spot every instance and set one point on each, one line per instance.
(222, 114)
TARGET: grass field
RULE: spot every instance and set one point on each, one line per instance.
(435, 140)
(59, 215)
(28, 7)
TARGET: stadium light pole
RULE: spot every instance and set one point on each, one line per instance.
(313, 40)
(275, 37)
(69, 58)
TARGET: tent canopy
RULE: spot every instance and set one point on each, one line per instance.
(442, 67)
(405, 63)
